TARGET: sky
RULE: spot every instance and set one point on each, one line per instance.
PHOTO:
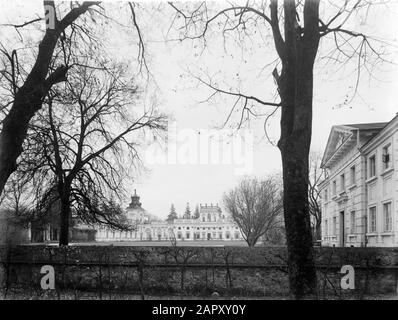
(174, 66)
(179, 184)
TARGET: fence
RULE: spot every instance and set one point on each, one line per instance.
(113, 272)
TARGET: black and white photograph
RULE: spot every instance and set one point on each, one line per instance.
(199, 155)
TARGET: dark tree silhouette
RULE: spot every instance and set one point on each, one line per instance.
(187, 213)
(29, 86)
(172, 215)
(80, 143)
(28, 98)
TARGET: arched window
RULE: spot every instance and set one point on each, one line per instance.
(208, 217)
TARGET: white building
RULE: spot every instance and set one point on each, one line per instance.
(210, 225)
(360, 194)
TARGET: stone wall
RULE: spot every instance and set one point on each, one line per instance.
(239, 271)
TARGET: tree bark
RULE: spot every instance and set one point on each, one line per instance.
(318, 226)
(64, 217)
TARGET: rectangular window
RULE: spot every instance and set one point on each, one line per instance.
(387, 157)
(352, 175)
(372, 219)
(352, 223)
(326, 228)
(334, 226)
(342, 182)
(334, 187)
(387, 219)
(372, 166)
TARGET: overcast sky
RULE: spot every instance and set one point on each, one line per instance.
(172, 64)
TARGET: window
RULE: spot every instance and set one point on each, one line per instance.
(326, 228)
(334, 226)
(326, 195)
(387, 157)
(352, 223)
(372, 166)
(342, 182)
(334, 188)
(187, 235)
(53, 234)
(387, 220)
(352, 175)
(372, 219)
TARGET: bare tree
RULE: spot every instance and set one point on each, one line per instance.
(29, 82)
(28, 98)
(316, 174)
(256, 207)
(84, 143)
(296, 29)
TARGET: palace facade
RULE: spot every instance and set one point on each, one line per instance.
(211, 224)
(360, 194)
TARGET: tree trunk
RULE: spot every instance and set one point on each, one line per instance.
(302, 273)
(295, 84)
(64, 216)
(296, 90)
(318, 228)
